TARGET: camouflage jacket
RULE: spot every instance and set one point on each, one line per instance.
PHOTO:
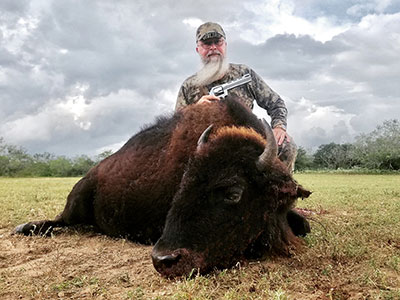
(256, 90)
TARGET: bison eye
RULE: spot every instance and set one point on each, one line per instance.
(233, 195)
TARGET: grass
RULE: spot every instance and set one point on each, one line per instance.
(353, 251)
(23, 199)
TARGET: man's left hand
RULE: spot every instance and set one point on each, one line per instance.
(207, 99)
(280, 135)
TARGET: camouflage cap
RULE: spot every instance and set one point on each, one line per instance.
(209, 30)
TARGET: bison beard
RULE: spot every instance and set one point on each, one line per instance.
(208, 205)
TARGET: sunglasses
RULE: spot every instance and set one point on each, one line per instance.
(209, 42)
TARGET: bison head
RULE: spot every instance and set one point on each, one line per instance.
(234, 197)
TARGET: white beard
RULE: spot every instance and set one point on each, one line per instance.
(215, 67)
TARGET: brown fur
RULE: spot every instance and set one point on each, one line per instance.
(159, 171)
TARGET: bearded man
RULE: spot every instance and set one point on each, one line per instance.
(211, 47)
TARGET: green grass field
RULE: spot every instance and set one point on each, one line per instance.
(353, 251)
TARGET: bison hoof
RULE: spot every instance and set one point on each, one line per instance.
(26, 229)
(33, 228)
(298, 223)
(303, 229)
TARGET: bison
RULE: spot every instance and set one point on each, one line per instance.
(205, 184)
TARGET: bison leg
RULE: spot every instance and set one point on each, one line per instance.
(44, 227)
(298, 223)
(78, 210)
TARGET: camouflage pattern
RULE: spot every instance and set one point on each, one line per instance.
(256, 90)
(209, 30)
(287, 153)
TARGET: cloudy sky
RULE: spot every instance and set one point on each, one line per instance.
(81, 77)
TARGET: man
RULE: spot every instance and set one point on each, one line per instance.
(211, 47)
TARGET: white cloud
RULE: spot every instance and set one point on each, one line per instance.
(311, 124)
(193, 22)
(375, 6)
(37, 127)
(107, 120)
(278, 17)
(80, 76)
(15, 35)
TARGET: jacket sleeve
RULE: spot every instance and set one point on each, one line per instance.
(270, 101)
(181, 100)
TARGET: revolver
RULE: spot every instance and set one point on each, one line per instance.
(221, 91)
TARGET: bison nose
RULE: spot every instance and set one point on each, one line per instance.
(165, 261)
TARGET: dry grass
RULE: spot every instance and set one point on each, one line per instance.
(352, 253)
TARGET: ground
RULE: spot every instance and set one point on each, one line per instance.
(353, 251)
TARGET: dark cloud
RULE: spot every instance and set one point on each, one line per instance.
(313, 137)
(344, 11)
(78, 76)
(12, 6)
(287, 57)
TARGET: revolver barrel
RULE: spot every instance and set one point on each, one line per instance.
(221, 91)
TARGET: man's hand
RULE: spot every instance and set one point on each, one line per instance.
(280, 135)
(207, 99)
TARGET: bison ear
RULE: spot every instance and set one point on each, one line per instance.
(204, 137)
(292, 189)
(302, 192)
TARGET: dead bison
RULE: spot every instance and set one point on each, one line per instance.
(207, 202)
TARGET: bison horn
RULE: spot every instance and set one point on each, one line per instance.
(270, 150)
(204, 137)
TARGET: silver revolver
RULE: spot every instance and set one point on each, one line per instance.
(221, 91)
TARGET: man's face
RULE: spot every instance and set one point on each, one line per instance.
(211, 49)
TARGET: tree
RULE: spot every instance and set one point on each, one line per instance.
(380, 149)
(103, 155)
(60, 167)
(41, 164)
(4, 160)
(3, 146)
(81, 165)
(304, 161)
(334, 156)
(13, 159)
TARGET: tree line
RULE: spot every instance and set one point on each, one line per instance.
(16, 161)
(378, 150)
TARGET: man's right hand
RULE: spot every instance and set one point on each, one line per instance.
(207, 99)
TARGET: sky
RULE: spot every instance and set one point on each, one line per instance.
(82, 77)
